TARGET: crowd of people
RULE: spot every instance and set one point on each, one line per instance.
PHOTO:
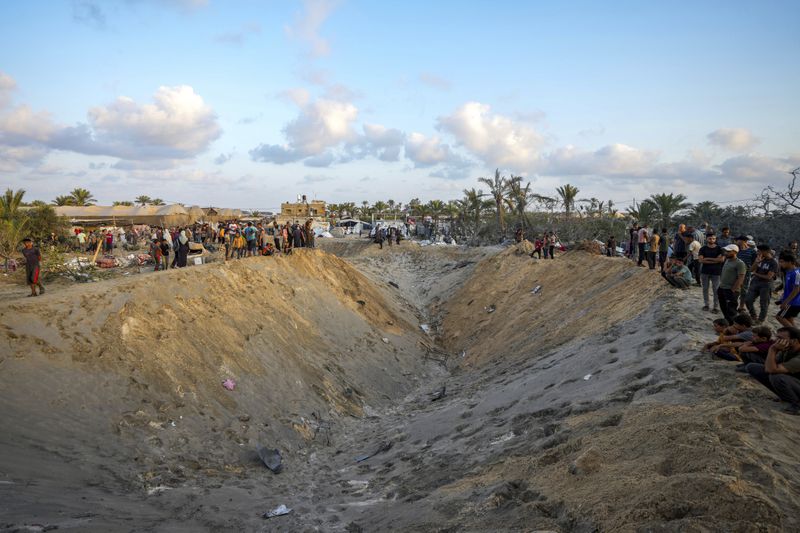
(543, 245)
(733, 274)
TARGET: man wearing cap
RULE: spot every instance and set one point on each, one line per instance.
(33, 258)
(748, 256)
(730, 281)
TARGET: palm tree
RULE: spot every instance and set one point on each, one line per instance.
(379, 208)
(413, 206)
(668, 205)
(126, 203)
(435, 209)
(518, 198)
(157, 201)
(391, 205)
(12, 224)
(82, 197)
(644, 213)
(143, 200)
(497, 189)
(706, 211)
(10, 203)
(64, 200)
(568, 193)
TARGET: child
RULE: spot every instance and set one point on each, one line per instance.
(790, 302)
(33, 258)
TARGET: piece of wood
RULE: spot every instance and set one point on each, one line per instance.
(99, 244)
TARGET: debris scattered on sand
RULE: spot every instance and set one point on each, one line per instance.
(385, 340)
(270, 457)
(439, 394)
(229, 384)
(490, 309)
(278, 511)
(393, 284)
(587, 377)
(537, 289)
(425, 327)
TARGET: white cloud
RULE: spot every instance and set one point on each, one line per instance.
(21, 125)
(178, 124)
(7, 86)
(308, 23)
(497, 140)
(426, 151)
(733, 139)
(321, 124)
(379, 141)
(614, 159)
(755, 167)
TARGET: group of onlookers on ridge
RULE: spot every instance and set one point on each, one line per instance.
(739, 272)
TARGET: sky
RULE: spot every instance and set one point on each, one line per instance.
(248, 104)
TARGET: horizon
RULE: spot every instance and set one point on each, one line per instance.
(243, 104)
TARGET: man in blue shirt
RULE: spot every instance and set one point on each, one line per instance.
(790, 302)
(250, 236)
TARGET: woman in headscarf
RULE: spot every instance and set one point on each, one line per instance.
(183, 250)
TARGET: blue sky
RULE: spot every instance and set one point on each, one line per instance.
(247, 104)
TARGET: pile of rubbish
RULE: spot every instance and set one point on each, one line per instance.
(593, 247)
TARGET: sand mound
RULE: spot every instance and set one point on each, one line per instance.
(137, 366)
(578, 295)
(524, 248)
(592, 247)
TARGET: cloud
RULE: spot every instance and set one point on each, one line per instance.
(432, 80)
(7, 87)
(379, 141)
(307, 24)
(238, 37)
(733, 139)
(178, 124)
(497, 140)
(297, 95)
(321, 124)
(760, 168)
(88, 13)
(426, 151)
(324, 159)
(221, 159)
(611, 160)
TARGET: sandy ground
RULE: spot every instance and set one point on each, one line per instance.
(585, 406)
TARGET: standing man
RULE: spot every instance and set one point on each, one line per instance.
(663, 249)
(711, 259)
(763, 273)
(652, 253)
(730, 281)
(790, 302)
(724, 239)
(748, 256)
(643, 236)
(33, 260)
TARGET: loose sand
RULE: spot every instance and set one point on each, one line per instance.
(585, 406)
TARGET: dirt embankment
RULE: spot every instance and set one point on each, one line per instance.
(584, 405)
(125, 376)
(514, 306)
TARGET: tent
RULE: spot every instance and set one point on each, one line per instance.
(196, 213)
(152, 215)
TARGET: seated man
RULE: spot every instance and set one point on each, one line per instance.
(780, 373)
(726, 347)
(678, 275)
(755, 351)
(721, 328)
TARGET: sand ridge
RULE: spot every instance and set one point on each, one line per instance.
(550, 420)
